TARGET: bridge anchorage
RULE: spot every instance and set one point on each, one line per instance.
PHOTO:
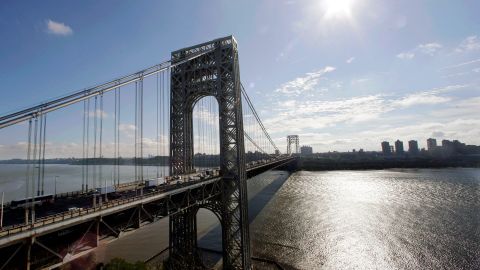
(95, 215)
(215, 73)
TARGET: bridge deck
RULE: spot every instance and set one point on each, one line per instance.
(57, 216)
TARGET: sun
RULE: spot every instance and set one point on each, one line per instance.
(337, 8)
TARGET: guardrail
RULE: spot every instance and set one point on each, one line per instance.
(13, 229)
(17, 228)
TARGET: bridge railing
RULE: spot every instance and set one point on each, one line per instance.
(17, 228)
(14, 229)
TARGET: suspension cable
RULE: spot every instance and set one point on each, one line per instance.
(95, 176)
(115, 154)
(100, 154)
(157, 123)
(253, 142)
(249, 102)
(118, 136)
(43, 151)
(39, 161)
(35, 142)
(27, 176)
(87, 147)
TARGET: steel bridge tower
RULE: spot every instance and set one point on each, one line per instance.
(214, 73)
(292, 139)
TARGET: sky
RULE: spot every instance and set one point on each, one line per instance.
(341, 74)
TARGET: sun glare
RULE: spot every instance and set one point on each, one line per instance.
(337, 8)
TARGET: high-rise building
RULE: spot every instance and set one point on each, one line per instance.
(392, 150)
(431, 144)
(413, 147)
(306, 150)
(398, 147)
(386, 148)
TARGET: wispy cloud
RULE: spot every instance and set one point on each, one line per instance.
(127, 129)
(304, 83)
(361, 80)
(314, 114)
(427, 48)
(58, 28)
(406, 55)
(98, 114)
(350, 60)
(462, 64)
(421, 98)
(468, 44)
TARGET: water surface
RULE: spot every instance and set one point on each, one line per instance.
(389, 219)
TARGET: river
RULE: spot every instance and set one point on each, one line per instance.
(373, 219)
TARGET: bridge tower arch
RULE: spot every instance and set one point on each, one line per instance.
(215, 72)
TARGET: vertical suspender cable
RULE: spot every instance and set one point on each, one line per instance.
(165, 117)
(43, 151)
(35, 142)
(100, 154)
(27, 176)
(94, 180)
(161, 116)
(83, 145)
(136, 131)
(210, 130)
(141, 129)
(157, 159)
(118, 137)
(39, 161)
(115, 155)
(169, 100)
(87, 148)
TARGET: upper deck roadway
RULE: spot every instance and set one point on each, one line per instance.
(63, 218)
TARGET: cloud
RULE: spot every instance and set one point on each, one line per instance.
(438, 134)
(469, 44)
(127, 129)
(406, 55)
(361, 80)
(350, 60)
(58, 28)
(421, 98)
(99, 114)
(313, 114)
(304, 83)
(426, 97)
(251, 85)
(461, 64)
(429, 48)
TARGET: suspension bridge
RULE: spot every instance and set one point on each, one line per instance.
(207, 141)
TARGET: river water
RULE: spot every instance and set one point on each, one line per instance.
(389, 219)
(383, 219)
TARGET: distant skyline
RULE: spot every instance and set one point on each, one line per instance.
(340, 74)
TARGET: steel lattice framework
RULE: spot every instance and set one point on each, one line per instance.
(215, 73)
(292, 139)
